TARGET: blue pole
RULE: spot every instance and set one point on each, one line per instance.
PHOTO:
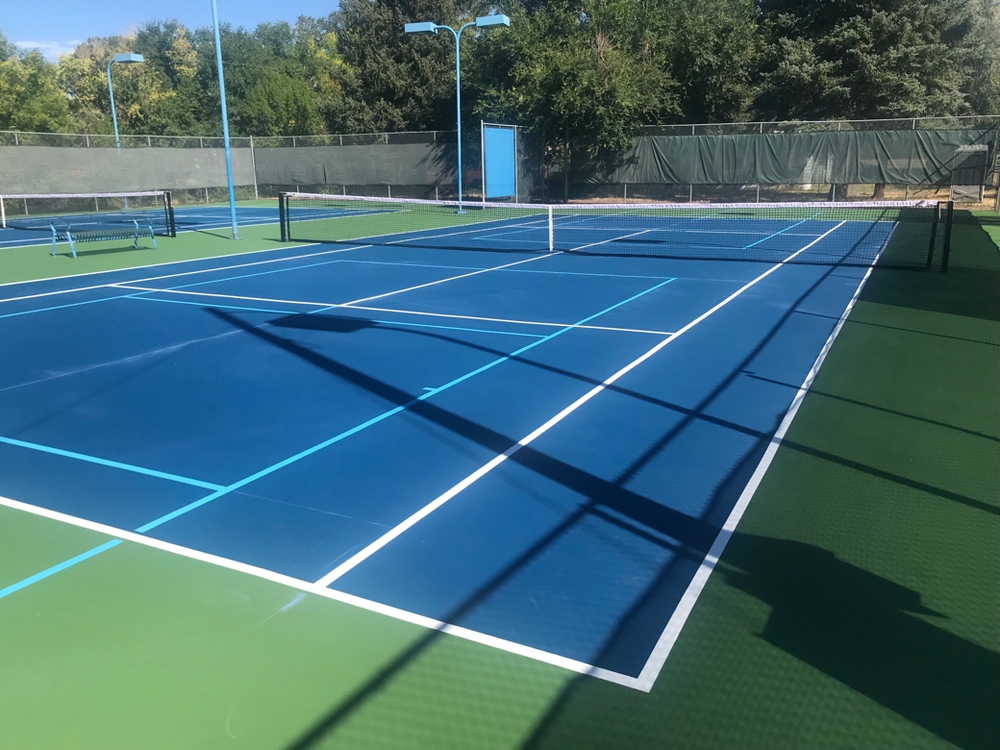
(114, 115)
(458, 102)
(225, 120)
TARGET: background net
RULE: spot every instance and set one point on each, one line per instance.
(903, 234)
(83, 212)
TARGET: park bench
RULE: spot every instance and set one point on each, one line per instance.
(67, 234)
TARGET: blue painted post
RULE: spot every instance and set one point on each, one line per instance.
(225, 121)
(458, 106)
(114, 115)
(125, 58)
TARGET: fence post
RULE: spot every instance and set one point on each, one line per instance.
(253, 163)
(947, 236)
(566, 168)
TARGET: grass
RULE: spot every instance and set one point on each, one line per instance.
(856, 606)
(35, 262)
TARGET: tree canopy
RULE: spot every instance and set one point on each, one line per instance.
(595, 68)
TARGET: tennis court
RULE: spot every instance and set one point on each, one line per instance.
(534, 432)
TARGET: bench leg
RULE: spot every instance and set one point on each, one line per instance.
(72, 245)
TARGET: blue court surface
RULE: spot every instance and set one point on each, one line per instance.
(538, 449)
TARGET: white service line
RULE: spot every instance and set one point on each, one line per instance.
(442, 281)
(675, 624)
(429, 623)
(350, 306)
(222, 296)
(612, 239)
(482, 471)
(506, 320)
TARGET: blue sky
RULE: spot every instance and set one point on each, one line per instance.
(56, 26)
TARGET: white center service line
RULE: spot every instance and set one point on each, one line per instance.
(482, 471)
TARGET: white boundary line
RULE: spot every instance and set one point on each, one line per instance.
(355, 601)
(486, 468)
(111, 284)
(399, 243)
(672, 631)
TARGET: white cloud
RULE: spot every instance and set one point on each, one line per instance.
(51, 50)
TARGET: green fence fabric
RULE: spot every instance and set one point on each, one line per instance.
(54, 169)
(905, 157)
(376, 164)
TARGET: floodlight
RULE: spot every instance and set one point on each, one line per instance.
(128, 57)
(497, 19)
(424, 27)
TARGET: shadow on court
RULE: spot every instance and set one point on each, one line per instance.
(970, 288)
(863, 630)
(107, 251)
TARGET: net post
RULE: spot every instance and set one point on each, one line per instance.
(946, 253)
(934, 229)
(169, 207)
(282, 215)
(3, 214)
(552, 245)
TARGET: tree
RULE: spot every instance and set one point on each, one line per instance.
(7, 48)
(393, 81)
(711, 48)
(30, 98)
(590, 68)
(873, 58)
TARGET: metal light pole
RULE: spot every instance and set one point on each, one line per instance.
(126, 58)
(225, 121)
(429, 27)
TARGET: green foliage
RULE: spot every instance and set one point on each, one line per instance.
(393, 81)
(591, 67)
(712, 47)
(7, 48)
(30, 99)
(863, 59)
(595, 69)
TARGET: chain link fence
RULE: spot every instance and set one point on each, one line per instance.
(364, 169)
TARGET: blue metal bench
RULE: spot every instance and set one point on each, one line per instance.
(66, 234)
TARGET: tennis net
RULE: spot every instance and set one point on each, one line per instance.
(909, 234)
(83, 212)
